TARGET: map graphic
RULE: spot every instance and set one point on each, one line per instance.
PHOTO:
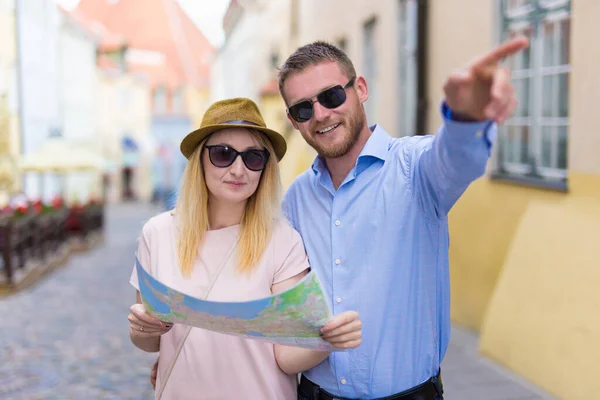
(293, 318)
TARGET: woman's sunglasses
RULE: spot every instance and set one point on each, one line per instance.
(329, 98)
(223, 156)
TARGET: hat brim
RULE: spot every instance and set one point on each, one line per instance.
(193, 139)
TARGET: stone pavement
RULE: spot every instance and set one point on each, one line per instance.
(467, 375)
(66, 337)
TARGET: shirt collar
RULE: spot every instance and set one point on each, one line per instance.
(377, 146)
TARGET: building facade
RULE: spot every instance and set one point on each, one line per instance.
(171, 52)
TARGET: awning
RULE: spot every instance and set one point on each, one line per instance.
(63, 155)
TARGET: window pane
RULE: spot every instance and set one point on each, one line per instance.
(525, 145)
(561, 131)
(522, 91)
(547, 132)
(555, 96)
(556, 37)
(565, 42)
(563, 95)
(513, 144)
(549, 100)
(549, 43)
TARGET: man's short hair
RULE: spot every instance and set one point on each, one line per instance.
(312, 54)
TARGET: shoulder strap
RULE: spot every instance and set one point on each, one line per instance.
(189, 328)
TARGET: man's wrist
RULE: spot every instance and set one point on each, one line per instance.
(456, 117)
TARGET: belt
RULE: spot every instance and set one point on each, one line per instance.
(432, 389)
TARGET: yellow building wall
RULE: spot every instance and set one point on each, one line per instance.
(523, 270)
(8, 88)
(543, 318)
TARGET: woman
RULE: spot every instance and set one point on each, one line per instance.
(226, 238)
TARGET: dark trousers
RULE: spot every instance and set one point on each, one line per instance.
(429, 390)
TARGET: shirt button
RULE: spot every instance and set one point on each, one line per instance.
(338, 261)
(339, 299)
(337, 222)
(343, 380)
(479, 133)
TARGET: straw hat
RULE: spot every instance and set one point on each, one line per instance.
(237, 112)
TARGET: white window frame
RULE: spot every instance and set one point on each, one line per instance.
(510, 162)
(408, 41)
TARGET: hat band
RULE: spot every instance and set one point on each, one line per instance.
(239, 122)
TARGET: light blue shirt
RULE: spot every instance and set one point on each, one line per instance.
(379, 245)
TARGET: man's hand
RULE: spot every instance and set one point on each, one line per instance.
(483, 90)
(343, 331)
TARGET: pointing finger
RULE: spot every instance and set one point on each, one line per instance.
(504, 50)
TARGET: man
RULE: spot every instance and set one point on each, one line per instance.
(372, 211)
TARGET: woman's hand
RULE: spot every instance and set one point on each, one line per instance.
(343, 331)
(144, 325)
(154, 374)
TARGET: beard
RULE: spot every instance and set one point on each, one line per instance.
(353, 127)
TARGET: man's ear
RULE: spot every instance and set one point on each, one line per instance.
(362, 90)
(294, 123)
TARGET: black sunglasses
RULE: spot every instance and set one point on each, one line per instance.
(329, 98)
(223, 156)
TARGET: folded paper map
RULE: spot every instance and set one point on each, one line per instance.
(293, 318)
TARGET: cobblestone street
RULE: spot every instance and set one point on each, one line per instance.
(67, 336)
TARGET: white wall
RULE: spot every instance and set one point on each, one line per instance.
(78, 82)
(37, 22)
(241, 67)
(78, 96)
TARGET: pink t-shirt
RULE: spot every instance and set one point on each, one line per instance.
(211, 365)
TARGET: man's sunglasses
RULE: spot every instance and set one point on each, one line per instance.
(329, 98)
(223, 156)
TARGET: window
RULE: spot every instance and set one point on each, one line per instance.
(533, 143)
(408, 71)
(370, 67)
(160, 100)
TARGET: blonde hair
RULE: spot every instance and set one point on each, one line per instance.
(262, 208)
